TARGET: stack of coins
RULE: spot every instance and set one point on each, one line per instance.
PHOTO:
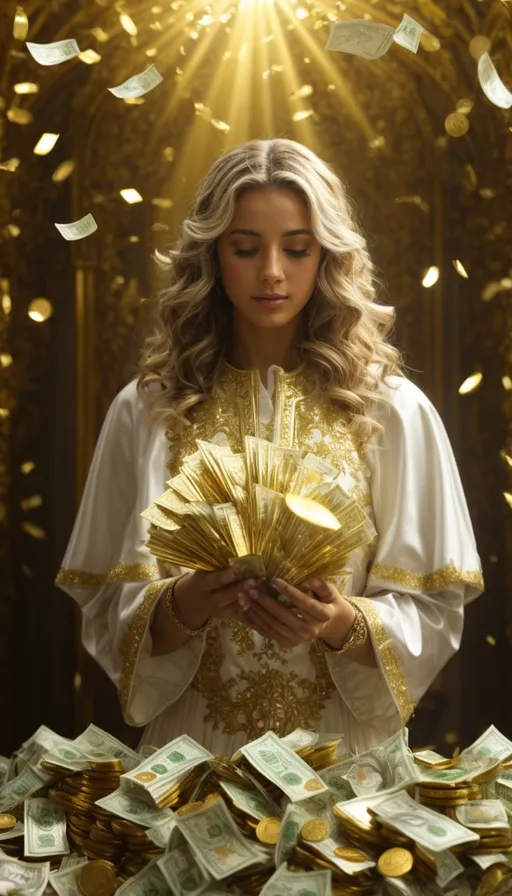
(14, 845)
(442, 795)
(320, 757)
(98, 877)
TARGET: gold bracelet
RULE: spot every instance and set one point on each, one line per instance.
(356, 636)
(170, 605)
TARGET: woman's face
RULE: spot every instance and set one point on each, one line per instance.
(269, 248)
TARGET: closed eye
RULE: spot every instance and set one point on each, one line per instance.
(296, 253)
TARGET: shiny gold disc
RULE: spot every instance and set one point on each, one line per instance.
(395, 862)
(315, 830)
(267, 830)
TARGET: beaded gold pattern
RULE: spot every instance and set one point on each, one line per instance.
(432, 581)
(134, 636)
(121, 572)
(387, 657)
(256, 700)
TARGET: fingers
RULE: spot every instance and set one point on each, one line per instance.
(282, 620)
(322, 590)
(308, 605)
(269, 628)
(220, 579)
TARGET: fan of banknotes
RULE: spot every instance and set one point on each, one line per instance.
(267, 510)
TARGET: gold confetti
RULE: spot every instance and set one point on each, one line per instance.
(456, 124)
(27, 571)
(415, 200)
(220, 125)
(302, 114)
(301, 13)
(4, 413)
(490, 290)
(508, 498)
(479, 45)
(20, 26)
(128, 24)
(134, 239)
(33, 530)
(429, 42)
(471, 173)
(77, 681)
(40, 310)
(151, 52)
(90, 57)
(25, 87)
(378, 142)
(507, 384)
(203, 111)
(487, 193)
(45, 144)
(133, 100)
(10, 165)
(459, 267)
(64, 170)
(430, 277)
(31, 503)
(27, 467)
(305, 90)
(6, 359)
(131, 195)
(471, 383)
(491, 640)
(162, 202)
(100, 35)
(12, 230)
(456, 752)
(451, 737)
(19, 116)
(157, 227)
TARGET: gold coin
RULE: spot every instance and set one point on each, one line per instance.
(456, 124)
(395, 862)
(212, 798)
(7, 822)
(98, 878)
(145, 777)
(350, 854)
(313, 784)
(267, 830)
(188, 808)
(315, 830)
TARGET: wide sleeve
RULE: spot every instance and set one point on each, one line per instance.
(425, 566)
(109, 572)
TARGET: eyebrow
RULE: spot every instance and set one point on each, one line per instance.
(243, 230)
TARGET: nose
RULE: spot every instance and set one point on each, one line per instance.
(271, 267)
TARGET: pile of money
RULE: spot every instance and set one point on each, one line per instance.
(269, 511)
(290, 816)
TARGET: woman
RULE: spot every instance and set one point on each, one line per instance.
(269, 325)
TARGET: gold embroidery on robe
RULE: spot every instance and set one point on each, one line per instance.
(121, 572)
(432, 581)
(256, 700)
(134, 636)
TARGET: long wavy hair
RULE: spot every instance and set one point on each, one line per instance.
(344, 329)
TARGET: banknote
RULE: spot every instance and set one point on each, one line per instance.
(468, 768)
(408, 34)
(148, 882)
(138, 85)
(54, 53)
(4, 767)
(25, 784)
(45, 829)
(160, 832)
(296, 883)
(248, 800)
(65, 882)
(388, 765)
(182, 872)
(448, 867)
(294, 817)
(134, 805)
(30, 880)
(491, 83)
(429, 829)
(217, 842)
(77, 230)
(283, 767)
(361, 38)
(72, 861)
(483, 814)
(485, 861)
(300, 738)
(17, 831)
(491, 744)
(158, 774)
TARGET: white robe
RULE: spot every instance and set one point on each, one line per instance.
(411, 584)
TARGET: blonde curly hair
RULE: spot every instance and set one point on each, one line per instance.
(344, 332)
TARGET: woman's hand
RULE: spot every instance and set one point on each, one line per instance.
(327, 615)
(200, 595)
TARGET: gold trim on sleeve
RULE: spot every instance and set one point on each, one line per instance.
(386, 657)
(121, 572)
(134, 636)
(432, 581)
